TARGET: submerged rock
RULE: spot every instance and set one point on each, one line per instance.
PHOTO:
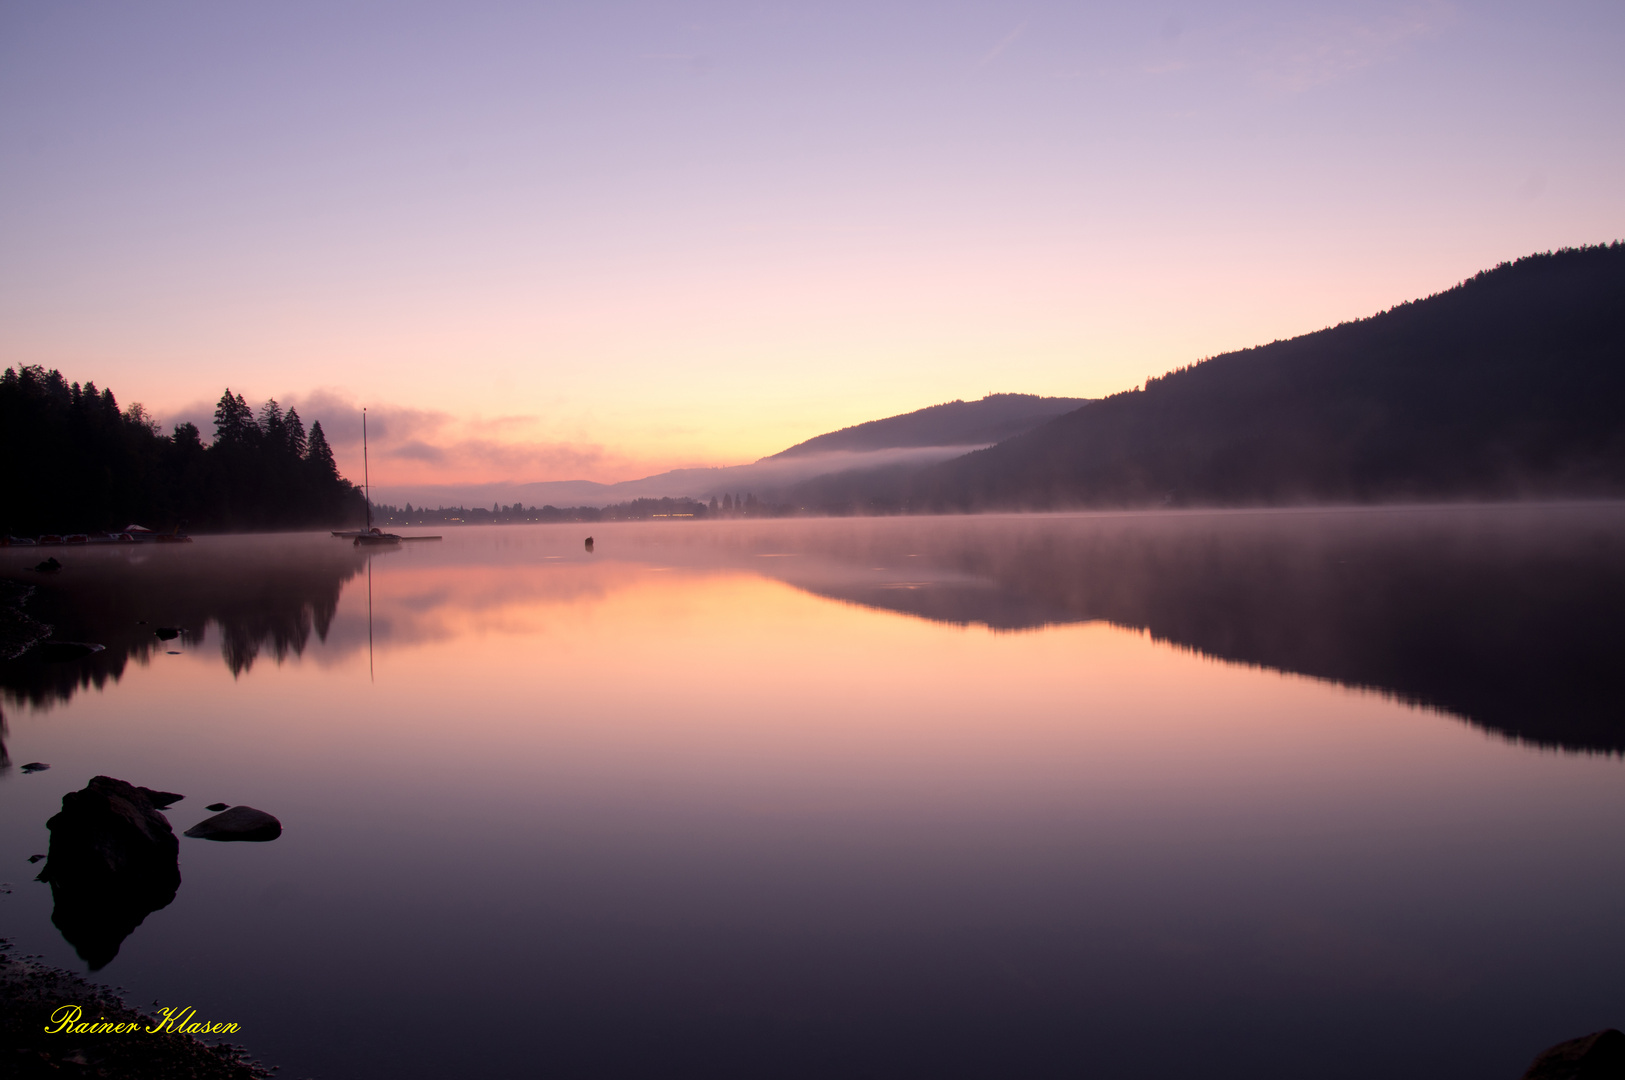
(1598, 1056)
(218, 806)
(160, 799)
(168, 633)
(35, 766)
(49, 566)
(113, 861)
(238, 823)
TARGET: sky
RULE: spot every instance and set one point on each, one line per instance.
(553, 241)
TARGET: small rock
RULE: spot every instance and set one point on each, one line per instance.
(168, 633)
(589, 543)
(49, 566)
(160, 799)
(218, 806)
(35, 858)
(35, 766)
(238, 823)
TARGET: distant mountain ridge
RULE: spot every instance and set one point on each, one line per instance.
(994, 418)
(909, 440)
(1511, 384)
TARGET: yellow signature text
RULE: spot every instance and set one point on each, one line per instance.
(70, 1020)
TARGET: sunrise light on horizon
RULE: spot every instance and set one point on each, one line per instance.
(552, 243)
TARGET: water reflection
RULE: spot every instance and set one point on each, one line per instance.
(113, 861)
(1506, 616)
(743, 799)
(259, 594)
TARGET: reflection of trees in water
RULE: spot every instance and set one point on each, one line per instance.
(1506, 616)
(277, 620)
(262, 594)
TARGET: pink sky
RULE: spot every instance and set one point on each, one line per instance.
(596, 244)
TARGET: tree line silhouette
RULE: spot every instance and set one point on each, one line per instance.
(76, 462)
(730, 506)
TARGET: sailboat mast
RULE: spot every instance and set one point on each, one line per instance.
(366, 480)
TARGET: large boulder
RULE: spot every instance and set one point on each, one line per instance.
(113, 861)
(1598, 1056)
(238, 823)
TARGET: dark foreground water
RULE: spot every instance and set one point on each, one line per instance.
(1331, 794)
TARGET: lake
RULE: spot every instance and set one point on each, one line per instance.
(1331, 793)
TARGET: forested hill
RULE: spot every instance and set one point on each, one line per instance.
(75, 462)
(957, 423)
(1510, 385)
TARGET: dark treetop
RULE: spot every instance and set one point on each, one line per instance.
(76, 463)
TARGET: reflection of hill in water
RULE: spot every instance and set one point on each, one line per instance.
(260, 593)
(1507, 616)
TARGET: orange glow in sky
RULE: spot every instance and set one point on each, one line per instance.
(550, 243)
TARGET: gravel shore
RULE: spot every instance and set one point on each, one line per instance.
(31, 991)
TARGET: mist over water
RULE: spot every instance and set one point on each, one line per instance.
(1247, 793)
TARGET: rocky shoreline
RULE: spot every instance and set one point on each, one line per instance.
(31, 991)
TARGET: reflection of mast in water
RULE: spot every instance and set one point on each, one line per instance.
(370, 676)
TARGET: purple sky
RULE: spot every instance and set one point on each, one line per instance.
(551, 242)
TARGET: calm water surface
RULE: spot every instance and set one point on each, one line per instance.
(1251, 794)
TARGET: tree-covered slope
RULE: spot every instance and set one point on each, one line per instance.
(956, 423)
(1511, 384)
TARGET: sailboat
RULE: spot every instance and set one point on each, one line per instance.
(372, 537)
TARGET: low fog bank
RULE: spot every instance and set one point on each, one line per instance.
(770, 479)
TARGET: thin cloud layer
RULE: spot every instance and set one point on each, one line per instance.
(425, 446)
(1324, 49)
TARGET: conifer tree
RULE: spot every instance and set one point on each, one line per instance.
(232, 419)
(319, 454)
(272, 425)
(294, 429)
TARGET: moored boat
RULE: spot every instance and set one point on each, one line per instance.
(371, 536)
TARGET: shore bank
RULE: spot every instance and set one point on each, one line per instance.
(30, 992)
